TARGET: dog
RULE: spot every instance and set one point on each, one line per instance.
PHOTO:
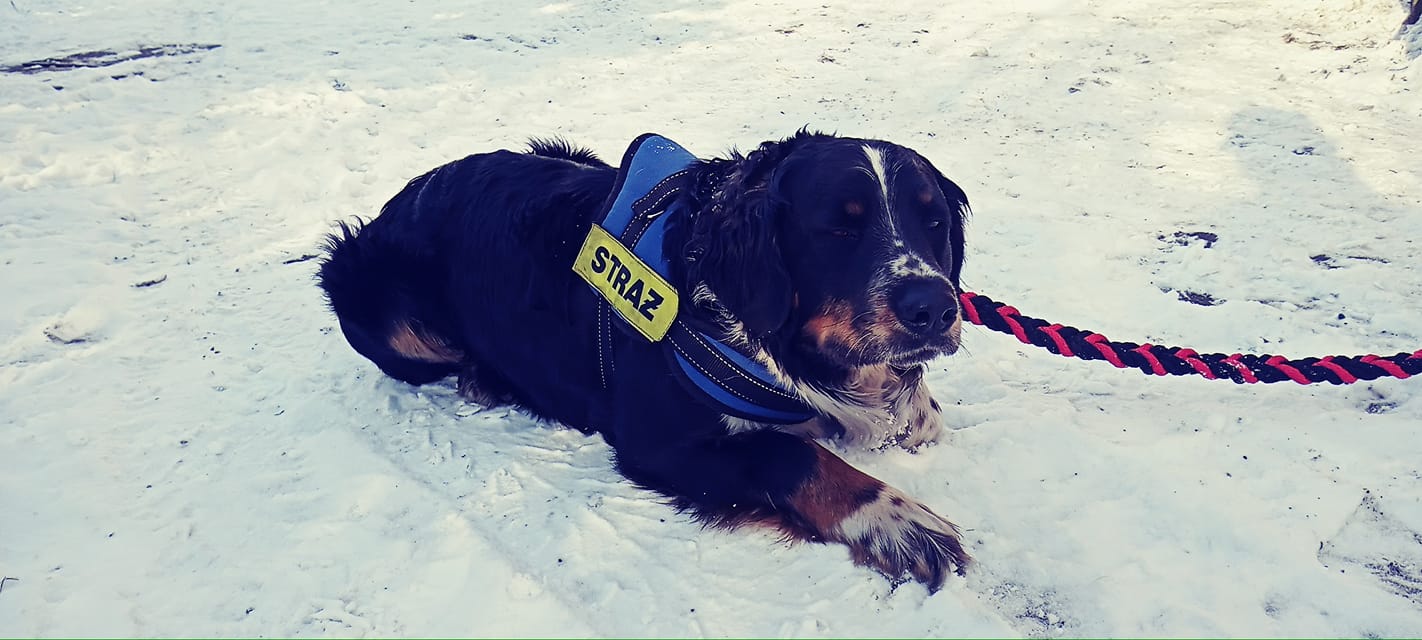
(832, 263)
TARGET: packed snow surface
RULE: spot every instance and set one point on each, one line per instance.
(189, 447)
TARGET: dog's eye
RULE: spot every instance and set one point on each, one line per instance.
(935, 223)
(844, 232)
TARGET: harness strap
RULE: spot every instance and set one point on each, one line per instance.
(741, 386)
(719, 375)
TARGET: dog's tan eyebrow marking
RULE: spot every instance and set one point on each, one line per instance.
(854, 208)
(925, 196)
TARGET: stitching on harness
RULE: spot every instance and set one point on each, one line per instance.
(603, 336)
(601, 373)
(656, 207)
(638, 204)
(607, 332)
(706, 373)
(717, 354)
(648, 220)
(646, 227)
(634, 241)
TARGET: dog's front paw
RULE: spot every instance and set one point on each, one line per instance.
(899, 536)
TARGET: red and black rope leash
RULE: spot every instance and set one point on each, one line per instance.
(1177, 361)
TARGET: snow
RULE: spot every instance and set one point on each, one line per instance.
(190, 448)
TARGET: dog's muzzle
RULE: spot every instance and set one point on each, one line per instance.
(927, 311)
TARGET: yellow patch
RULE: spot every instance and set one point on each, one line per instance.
(638, 293)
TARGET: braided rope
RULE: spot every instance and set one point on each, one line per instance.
(1177, 361)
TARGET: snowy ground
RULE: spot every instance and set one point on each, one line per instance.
(187, 446)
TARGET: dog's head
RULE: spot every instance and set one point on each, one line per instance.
(845, 249)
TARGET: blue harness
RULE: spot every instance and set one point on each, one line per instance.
(636, 213)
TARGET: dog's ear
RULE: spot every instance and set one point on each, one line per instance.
(734, 248)
(958, 209)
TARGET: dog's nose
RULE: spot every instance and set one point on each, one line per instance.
(925, 307)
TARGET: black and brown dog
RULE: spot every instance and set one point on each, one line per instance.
(832, 261)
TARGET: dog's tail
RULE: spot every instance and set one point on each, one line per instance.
(384, 297)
